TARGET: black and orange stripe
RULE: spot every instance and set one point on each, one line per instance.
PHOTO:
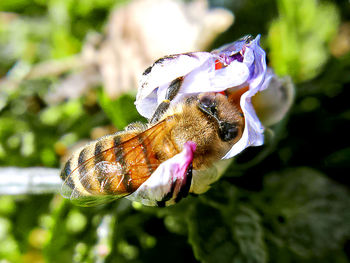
(131, 154)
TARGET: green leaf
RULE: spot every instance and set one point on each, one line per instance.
(305, 211)
(339, 159)
(209, 236)
(222, 231)
(247, 230)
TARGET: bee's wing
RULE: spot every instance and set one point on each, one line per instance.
(93, 187)
(115, 172)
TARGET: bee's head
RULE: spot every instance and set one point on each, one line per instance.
(217, 106)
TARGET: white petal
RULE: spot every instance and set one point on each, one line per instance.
(273, 102)
(162, 73)
(198, 80)
(233, 75)
(206, 79)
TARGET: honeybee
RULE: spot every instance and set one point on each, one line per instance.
(117, 165)
(205, 110)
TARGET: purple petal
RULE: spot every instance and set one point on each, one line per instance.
(253, 131)
(235, 47)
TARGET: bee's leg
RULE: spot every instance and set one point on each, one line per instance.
(171, 92)
(160, 110)
(136, 126)
(186, 184)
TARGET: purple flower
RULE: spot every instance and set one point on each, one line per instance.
(239, 66)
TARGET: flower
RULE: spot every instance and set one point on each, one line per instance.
(239, 67)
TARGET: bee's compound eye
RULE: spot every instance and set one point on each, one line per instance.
(207, 101)
(228, 131)
(208, 104)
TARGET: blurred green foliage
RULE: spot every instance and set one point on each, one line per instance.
(286, 201)
(39, 30)
(298, 38)
(121, 111)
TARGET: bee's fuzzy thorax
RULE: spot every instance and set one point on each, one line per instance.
(194, 125)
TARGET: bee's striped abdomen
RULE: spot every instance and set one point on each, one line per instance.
(79, 171)
(116, 165)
